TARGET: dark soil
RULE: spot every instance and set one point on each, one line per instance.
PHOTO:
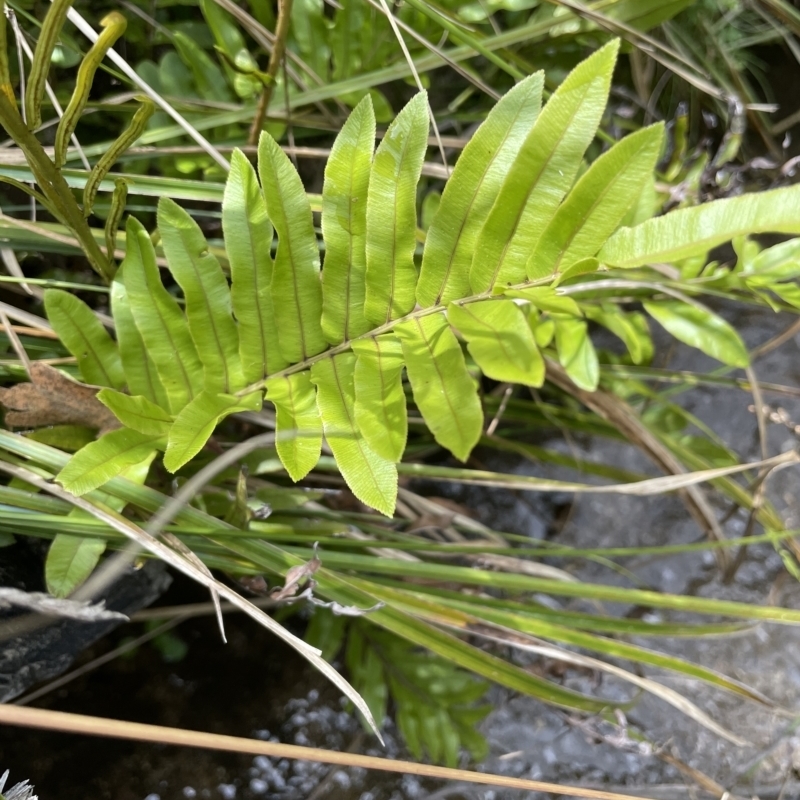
(241, 689)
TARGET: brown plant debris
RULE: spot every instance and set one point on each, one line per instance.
(51, 398)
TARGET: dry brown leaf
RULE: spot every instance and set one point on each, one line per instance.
(51, 398)
(297, 575)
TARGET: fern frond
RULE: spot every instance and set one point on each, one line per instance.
(512, 235)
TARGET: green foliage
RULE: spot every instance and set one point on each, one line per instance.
(298, 422)
(344, 226)
(512, 221)
(700, 328)
(84, 336)
(471, 191)
(247, 228)
(70, 560)
(434, 701)
(392, 215)
(372, 478)
(549, 158)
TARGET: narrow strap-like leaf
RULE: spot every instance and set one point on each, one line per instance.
(542, 172)
(141, 375)
(598, 203)
(208, 299)
(443, 390)
(160, 320)
(298, 423)
(576, 352)
(113, 25)
(296, 289)
(137, 412)
(381, 413)
(471, 191)
(70, 560)
(392, 214)
(85, 337)
(248, 237)
(500, 340)
(689, 232)
(344, 226)
(371, 478)
(196, 422)
(106, 458)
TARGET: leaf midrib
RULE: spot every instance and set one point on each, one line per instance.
(419, 313)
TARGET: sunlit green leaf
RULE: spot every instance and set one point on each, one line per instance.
(296, 290)
(371, 478)
(443, 389)
(141, 375)
(380, 405)
(585, 266)
(500, 340)
(470, 191)
(196, 422)
(687, 232)
(597, 203)
(84, 336)
(545, 299)
(70, 561)
(106, 458)
(543, 171)
(137, 412)
(344, 226)
(160, 321)
(299, 425)
(392, 214)
(576, 352)
(208, 299)
(248, 237)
